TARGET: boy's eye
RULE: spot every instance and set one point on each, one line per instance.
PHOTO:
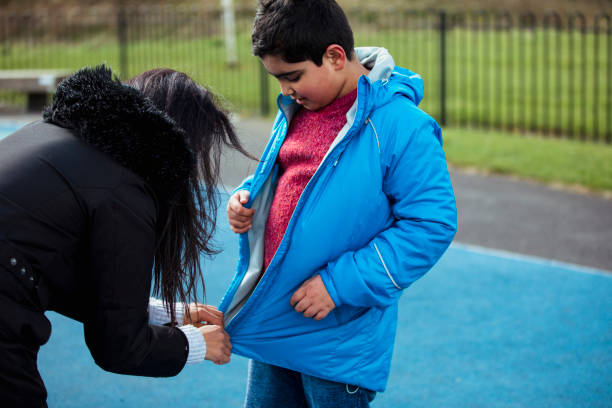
(294, 78)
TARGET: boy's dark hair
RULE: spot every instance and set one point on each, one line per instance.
(300, 30)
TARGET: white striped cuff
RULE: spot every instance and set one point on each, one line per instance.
(197, 345)
(159, 315)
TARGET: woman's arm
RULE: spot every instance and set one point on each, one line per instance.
(159, 314)
(118, 282)
(195, 314)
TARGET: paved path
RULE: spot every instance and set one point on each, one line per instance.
(496, 211)
(527, 218)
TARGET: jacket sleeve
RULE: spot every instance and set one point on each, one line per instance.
(118, 283)
(245, 185)
(417, 184)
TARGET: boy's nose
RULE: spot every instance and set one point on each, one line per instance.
(286, 89)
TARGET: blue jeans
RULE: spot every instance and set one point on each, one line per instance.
(269, 386)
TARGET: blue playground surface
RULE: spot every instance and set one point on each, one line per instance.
(482, 329)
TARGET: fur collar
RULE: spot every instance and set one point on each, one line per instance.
(121, 122)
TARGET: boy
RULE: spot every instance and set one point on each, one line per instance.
(350, 204)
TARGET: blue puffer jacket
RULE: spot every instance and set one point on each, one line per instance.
(378, 213)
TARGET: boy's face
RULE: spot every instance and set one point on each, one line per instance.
(312, 86)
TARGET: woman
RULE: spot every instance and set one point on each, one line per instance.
(93, 198)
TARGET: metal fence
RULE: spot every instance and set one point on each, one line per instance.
(547, 74)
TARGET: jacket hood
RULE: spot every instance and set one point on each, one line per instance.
(121, 122)
(387, 79)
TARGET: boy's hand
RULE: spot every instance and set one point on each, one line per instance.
(196, 313)
(240, 218)
(312, 299)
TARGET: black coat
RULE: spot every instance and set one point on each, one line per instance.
(79, 199)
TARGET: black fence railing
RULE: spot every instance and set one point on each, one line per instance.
(548, 74)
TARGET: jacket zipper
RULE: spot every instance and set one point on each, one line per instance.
(305, 194)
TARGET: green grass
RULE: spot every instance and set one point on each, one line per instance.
(552, 161)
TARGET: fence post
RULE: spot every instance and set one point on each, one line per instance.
(229, 24)
(5, 45)
(264, 99)
(528, 25)
(122, 39)
(578, 21)
(443, 68)
(608, 114)
(552, 21)
(598, 29)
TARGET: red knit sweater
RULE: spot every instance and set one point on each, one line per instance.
(309, 136)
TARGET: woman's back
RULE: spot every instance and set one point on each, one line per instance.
(51, 185)
(97, 200)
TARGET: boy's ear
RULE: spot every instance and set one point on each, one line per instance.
(336, 56)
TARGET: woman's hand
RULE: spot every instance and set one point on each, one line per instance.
(209, 320)
(218, 346)
(199, 314)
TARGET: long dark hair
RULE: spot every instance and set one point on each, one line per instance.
(187, 223)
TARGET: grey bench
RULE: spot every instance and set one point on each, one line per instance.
(36, 83)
